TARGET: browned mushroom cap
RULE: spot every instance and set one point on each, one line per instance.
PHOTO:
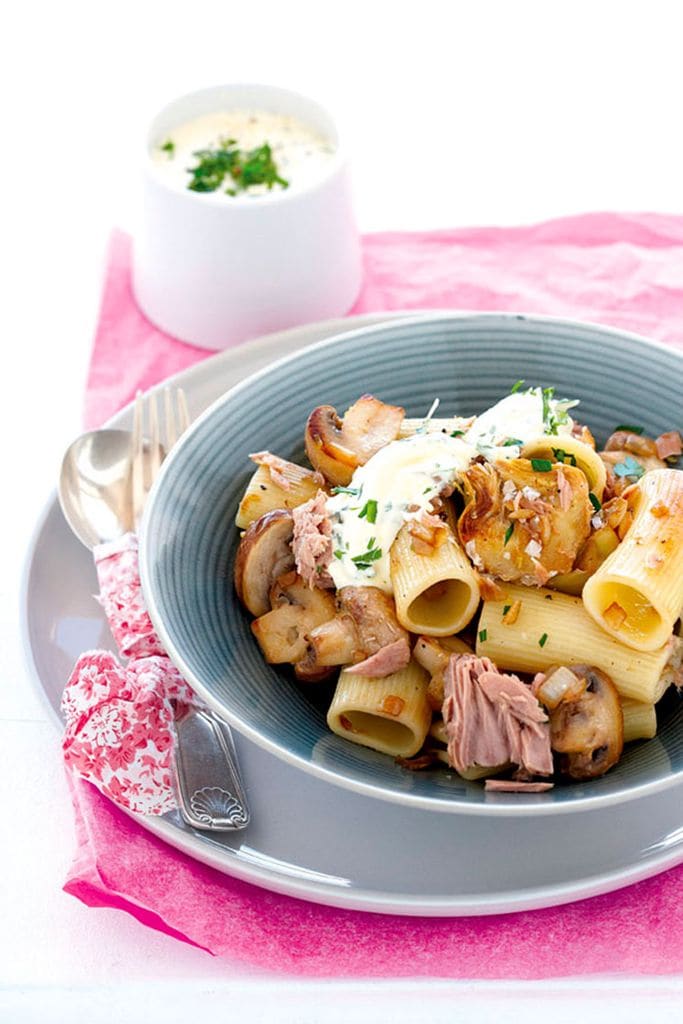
(626, 441)
(588, 733)
(265, 552)
(296, 609)
(336, 447)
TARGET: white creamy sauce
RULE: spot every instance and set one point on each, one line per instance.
(398, 483)
(367, 516)
(516, 417)
(300, 153)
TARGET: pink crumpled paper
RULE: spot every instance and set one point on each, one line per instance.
(624, 270)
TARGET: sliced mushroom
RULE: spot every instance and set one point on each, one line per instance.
(282, 633)
(364, 628)
(587, 733)
(434, 656)
(374, 614)
(331, 644)
(336, 447)
(336, 642)
(265, 552)
(626, 441)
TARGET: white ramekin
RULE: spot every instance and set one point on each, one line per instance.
(214, 273)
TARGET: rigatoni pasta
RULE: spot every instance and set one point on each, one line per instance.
(409, 540)
(640, 720)
(436, 593)
(554, 629)
(391, 715)
(265, 494)
(570, 451)
(637, 593)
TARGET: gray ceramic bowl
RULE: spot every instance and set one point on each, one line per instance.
(189, 539)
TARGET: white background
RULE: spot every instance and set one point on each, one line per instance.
(454, 114)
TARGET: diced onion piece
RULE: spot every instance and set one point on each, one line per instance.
(512, 614)
(560, 685)
(615, 615)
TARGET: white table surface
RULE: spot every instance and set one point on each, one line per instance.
(455, 114)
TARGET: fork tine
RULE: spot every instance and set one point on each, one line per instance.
(154, 454)
(183, 411)
(146, 458)
(136, 459)
(170, 432)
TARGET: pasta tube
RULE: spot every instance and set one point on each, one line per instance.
(264, 495)
(436, 594)
(391, 715)
(636, 595)
(565, 448)
(543, 628)
(640, 720)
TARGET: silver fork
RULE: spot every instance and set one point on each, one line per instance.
(209, 786)
(150, 446)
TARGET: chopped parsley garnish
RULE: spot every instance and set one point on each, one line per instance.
(629, 467)
(541, 465)
(168, 147)
(515, 387)
(549, 424)
(629, 428)
(508, 532)
(543, 639)
(339, 553)
(562, 456)
(428, 489)
(457, 433)
(365, 560)
(555, 411)
(512, 440)
(506, 609)
(241, 168)
(257, 167)
(595, 501)
(369, 511)
(482, 635)
(346, 490)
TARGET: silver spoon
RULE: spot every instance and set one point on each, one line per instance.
(94, 493)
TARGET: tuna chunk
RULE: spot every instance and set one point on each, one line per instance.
(312, 541)
(391, 658)
(514, 786)
(493, 719)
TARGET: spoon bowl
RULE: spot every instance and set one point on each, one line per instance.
(95, 486)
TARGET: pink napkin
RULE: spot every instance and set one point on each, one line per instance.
(623, 270)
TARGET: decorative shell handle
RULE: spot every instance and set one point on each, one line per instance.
(210, 792)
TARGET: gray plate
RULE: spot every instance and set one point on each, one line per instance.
(467, 866)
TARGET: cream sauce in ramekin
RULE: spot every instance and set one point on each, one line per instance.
(301, 154)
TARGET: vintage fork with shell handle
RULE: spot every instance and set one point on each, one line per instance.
(105, 479)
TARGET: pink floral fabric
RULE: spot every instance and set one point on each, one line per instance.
(122, 600)
(119, 731)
